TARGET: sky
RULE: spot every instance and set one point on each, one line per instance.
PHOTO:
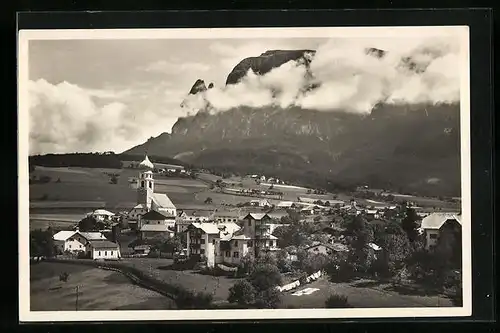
(110, 95)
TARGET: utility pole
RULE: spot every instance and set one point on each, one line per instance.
(76, 302)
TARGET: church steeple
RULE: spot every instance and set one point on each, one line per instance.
(145, 183)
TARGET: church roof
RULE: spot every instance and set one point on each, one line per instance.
(146, 164)
(153, 215)
(163, 201)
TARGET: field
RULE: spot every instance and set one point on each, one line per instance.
(362, 294)
(98, 290)
(159, 268)
(84, 189)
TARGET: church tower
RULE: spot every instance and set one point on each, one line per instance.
(145, 183)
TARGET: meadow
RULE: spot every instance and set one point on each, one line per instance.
(363, 294)
(98, 290)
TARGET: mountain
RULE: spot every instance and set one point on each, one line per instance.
(406, 148)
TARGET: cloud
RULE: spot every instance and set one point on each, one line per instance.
(68, 118)
(347, 77)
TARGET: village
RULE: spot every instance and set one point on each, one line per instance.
(271, 248)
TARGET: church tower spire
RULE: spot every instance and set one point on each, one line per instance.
(145, 183)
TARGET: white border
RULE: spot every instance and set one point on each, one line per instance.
(25, 315)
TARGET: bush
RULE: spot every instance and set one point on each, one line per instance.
(268, 299)
(337, 301)
(265, 276)
(242, 292)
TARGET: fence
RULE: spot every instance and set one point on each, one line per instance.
(296, 284)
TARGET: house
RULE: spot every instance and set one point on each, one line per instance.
(202, 240)
(196, 215)
(257, 226)
(326, 249)
(142, 249)
(285, 204)
(260, 203)
(75, 241)
(227, 216)
(103, 249)
(156, 225)
(134, 215)
(101, 215)
(372, 214)
(437, 225)
(277, 214)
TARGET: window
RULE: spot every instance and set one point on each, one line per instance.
(433, 236)
(202, 251)
(69, 246)
(213, 241)
(142, 183)
(236, 254)
(80, 246)
(234, 220)
(249, 223)
(228, 254)
(235, 243)
(158, 222)
(111, 253)
(150, 185)
(202, 241)
(105, 253)
(250, 243)
(99, 253)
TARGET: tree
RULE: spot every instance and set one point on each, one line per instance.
(172, 244)
(265, 276)
(268, 299)
(208, 201)
(247, 264)
(283, 262)
(113, 179)
(266, 258)
(327, 203)
(89, 223)
(409, 223)
(360, 235)
(395, 251)
(242, 292)
(314, 262)
(42, 243)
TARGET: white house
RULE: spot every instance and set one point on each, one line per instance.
(101, 215)
(75, 241)
(260, 203)
(103, 249)
(372, 213)
(202, 241)
(196, 215)
(154, 224)
(134, 215)
(436, 224)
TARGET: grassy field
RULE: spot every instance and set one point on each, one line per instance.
(158, 268)
(362, 294)
(98, 290)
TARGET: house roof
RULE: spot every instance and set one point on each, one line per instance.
(375, 246)
(371, 211)
(334, 247)
(436, 220)
(63, 235)
(230, 227)
(155, 227)
(228, 213)
(163, 201)
(154, 215)
(102, 212)
(207, 227)
(92, 236)
(103, 244)
(198, 213)
(256, 216)
(139, 206)
(285, 204)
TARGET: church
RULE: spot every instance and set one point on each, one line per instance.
(148, 200)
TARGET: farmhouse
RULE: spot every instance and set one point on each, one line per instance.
(372, 213)
(438, 225)
(285, 204)
(103, 249)
(202, 241)
(260, 203)
(75, 241)
(154, 224)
